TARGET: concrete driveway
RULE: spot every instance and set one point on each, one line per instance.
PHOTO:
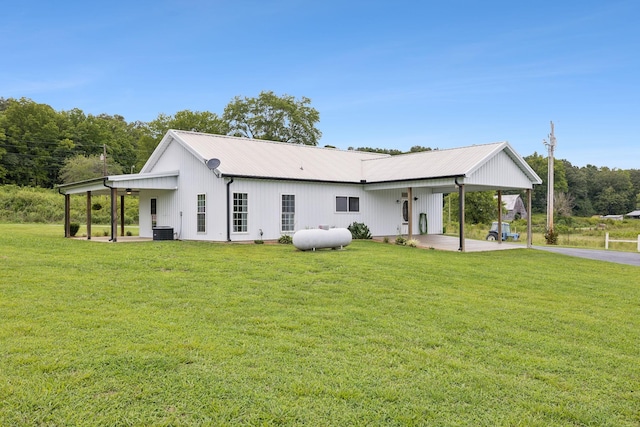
(452, 243)
(628, 258)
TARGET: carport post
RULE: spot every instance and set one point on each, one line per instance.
(114, 214)
(67, 215)
(88, 215)
(461, 215)
(529, 236)
(410, 208)
(122, 215)
(499, 216)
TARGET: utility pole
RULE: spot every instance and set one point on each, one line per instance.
(551, 145)
(103, 157)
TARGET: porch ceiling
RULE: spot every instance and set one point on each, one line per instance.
(439, 185)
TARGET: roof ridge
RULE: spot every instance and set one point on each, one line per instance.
(280, 143)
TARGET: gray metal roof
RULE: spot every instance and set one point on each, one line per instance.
(159, 181)
(267, 159)
(430, 164)
(510, 200)
(276, 160)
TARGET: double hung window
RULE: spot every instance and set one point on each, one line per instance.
(240, 212)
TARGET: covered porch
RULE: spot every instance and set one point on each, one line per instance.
(491, 167)
(117, 186)
(450, 185)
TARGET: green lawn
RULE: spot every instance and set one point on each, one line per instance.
(188, 333)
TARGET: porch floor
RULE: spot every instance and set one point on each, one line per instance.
(452, 243)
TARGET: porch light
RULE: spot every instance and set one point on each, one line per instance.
(128, 191)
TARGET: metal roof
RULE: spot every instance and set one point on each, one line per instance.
(509, 200)
(159, 181)
(429, 164)
(276, 160)
(268, 159)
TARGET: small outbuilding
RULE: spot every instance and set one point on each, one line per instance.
(515, 207)
(635, 214)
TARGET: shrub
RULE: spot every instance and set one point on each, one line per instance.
(385, 240)
(551, 236)
(413, 243)
(285, 239)
(359, 231)
(258, 242)
(73, 228)
(401, 241)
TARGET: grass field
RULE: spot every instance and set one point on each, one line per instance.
(188, 333)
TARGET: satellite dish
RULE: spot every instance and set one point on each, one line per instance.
(213, 163)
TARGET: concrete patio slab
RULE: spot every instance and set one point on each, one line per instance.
(452, 243)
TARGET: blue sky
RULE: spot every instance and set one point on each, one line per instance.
(382, 74)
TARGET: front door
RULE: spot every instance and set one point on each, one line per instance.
(404, 228)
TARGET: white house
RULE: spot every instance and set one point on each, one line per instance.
(221, 188)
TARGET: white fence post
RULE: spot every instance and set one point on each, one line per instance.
(607, 240)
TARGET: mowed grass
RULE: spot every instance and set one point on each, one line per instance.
(192, 333)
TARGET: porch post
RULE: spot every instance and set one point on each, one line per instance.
(114, 214)
(499, 216)
(529, 236)
(461, 215)
(67, 215)
(122, 215)
(88, 215)
(410, 208)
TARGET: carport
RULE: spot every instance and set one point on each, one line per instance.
(491, 167)
(113, 186)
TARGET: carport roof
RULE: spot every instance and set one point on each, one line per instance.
(157, 181)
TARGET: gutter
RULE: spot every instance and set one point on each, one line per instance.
(229, 209)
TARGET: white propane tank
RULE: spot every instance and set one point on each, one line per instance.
(320, 238)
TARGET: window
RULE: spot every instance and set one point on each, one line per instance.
(202, 213)
(154, 217)
(347, 204)
(288, 212)
(240, 209)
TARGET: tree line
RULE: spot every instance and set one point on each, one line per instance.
(587, 190)
(42, 147)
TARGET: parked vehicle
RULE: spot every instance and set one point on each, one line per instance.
(506, 232)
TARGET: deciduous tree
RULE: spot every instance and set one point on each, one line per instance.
(480, 207)
(274, 118)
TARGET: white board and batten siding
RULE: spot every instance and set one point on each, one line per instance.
(499, 171)
(315, 205)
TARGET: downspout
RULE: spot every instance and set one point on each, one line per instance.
(229, 209)
(67, 214)
(114, 219)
